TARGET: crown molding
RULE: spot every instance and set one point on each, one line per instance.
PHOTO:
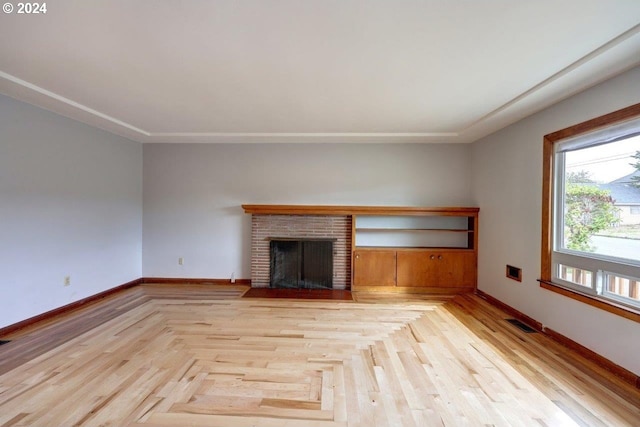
(590, 69)
(632, 32)
(47, 93)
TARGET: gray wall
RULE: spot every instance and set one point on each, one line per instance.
(507, 185)
(70, 205)
(193, 192)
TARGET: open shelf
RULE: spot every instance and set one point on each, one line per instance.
(426, 251)
(450, 230)
(413, 231)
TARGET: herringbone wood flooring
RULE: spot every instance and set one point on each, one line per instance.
(201, 356)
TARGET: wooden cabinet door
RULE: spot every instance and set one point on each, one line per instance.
(416, 269)
(456, 269)
(374, 268)
(436, 268)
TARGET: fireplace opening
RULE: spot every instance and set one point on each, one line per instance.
(301, 263)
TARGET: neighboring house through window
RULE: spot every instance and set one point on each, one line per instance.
(625, 191)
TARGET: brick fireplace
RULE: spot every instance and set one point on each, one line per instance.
(267, 227)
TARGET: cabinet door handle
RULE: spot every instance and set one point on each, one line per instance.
(440, 257)
(432, 257)
(357, 256)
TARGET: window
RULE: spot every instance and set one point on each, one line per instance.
(591, 238)
(634, 210)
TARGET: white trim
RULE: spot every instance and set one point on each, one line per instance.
(71, 103)
(591, 289)
(574, 286)
(304, 134)
(558, 75)
(616, 297)
(589, 260)
(558, 200)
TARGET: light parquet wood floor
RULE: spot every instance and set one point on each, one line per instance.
(203, 356)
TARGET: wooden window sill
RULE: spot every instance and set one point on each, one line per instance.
(594, 301)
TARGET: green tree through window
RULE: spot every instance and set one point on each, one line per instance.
(636, 179)
(588, 210)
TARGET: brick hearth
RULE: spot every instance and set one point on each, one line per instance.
(265, 227)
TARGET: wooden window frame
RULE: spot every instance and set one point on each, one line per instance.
(549, 141)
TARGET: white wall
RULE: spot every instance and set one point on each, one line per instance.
(70, 204)
(193, 193)
(507, 185)
(626, 217)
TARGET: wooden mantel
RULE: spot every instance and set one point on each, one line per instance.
(355, 210)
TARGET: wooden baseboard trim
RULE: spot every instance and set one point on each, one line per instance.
(77, 304)
(585, 352)
(510, 310)
(602, 361)
(190, 281)
(66, 308)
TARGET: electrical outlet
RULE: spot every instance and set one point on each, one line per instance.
(67, 280)
(180, 261)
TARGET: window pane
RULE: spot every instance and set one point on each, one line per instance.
(601, 198)
(623, 286)
(575, 275)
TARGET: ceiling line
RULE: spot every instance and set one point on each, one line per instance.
(566, 70)
(119, 122)
(633, 31)
(299, 134)
(70, 102)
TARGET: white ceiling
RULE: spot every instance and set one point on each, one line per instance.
(312, 70)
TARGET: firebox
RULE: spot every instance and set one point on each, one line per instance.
(301, 263)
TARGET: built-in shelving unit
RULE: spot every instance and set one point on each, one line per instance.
(415, 250)
(404, 249)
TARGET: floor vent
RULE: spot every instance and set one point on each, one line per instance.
(522, 326)
(4, 342)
